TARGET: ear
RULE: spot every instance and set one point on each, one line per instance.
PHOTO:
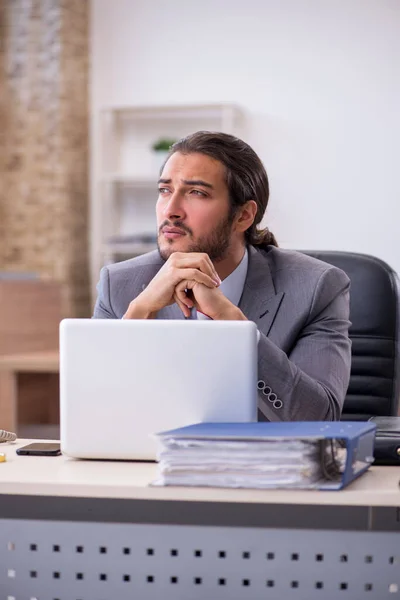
(245, 216)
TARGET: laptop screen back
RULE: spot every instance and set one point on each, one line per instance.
(122, 381)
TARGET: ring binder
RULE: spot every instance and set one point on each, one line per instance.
(301, 455)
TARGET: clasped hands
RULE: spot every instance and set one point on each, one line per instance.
(190, 280)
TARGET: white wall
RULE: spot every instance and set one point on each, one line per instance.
(319, 79)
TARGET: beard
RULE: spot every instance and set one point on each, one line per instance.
(216, 244)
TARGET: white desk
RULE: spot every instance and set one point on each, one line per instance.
(98, 530)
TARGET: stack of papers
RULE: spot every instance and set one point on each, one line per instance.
(239, 464)
(256, 455)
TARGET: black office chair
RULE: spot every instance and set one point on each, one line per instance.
(374, 388)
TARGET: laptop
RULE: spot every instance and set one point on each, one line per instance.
(122, 381)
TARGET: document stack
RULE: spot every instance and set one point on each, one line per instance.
(307, 455)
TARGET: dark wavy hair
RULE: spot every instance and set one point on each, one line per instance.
(245, 175)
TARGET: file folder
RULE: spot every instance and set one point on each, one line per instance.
(348, 446)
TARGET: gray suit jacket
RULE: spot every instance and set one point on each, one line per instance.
(301, 308)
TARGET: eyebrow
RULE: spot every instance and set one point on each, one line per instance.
(190, 182)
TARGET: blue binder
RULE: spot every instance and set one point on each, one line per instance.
(357, 438)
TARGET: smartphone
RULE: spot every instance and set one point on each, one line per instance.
(40, 449)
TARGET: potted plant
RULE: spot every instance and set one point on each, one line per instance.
(160, 150)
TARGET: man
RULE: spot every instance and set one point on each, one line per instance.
(213, 262)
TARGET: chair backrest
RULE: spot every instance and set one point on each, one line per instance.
(374, 387)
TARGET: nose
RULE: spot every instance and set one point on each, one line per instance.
(174, 208)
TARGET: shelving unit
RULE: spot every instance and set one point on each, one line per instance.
(125, 179)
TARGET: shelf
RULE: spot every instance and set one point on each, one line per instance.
(128, 248)
(131, 181)
(198, 111)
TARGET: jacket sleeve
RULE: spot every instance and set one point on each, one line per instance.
(103, 308)
(310, 382)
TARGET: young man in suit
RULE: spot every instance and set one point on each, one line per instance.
(214, 262)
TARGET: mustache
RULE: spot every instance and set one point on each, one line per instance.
(178, 224)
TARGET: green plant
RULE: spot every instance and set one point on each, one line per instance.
(163, 144)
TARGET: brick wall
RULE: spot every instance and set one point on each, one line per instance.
(44, 155)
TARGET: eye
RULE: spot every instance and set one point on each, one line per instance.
(199, 193)
(163, 190)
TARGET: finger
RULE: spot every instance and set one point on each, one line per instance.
(200, 261)
(196, 275)
(207, 267)
(182, 306)
(181, 292)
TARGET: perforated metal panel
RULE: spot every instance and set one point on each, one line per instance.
(47, 560)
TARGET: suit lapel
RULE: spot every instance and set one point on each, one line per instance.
(259, 302)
